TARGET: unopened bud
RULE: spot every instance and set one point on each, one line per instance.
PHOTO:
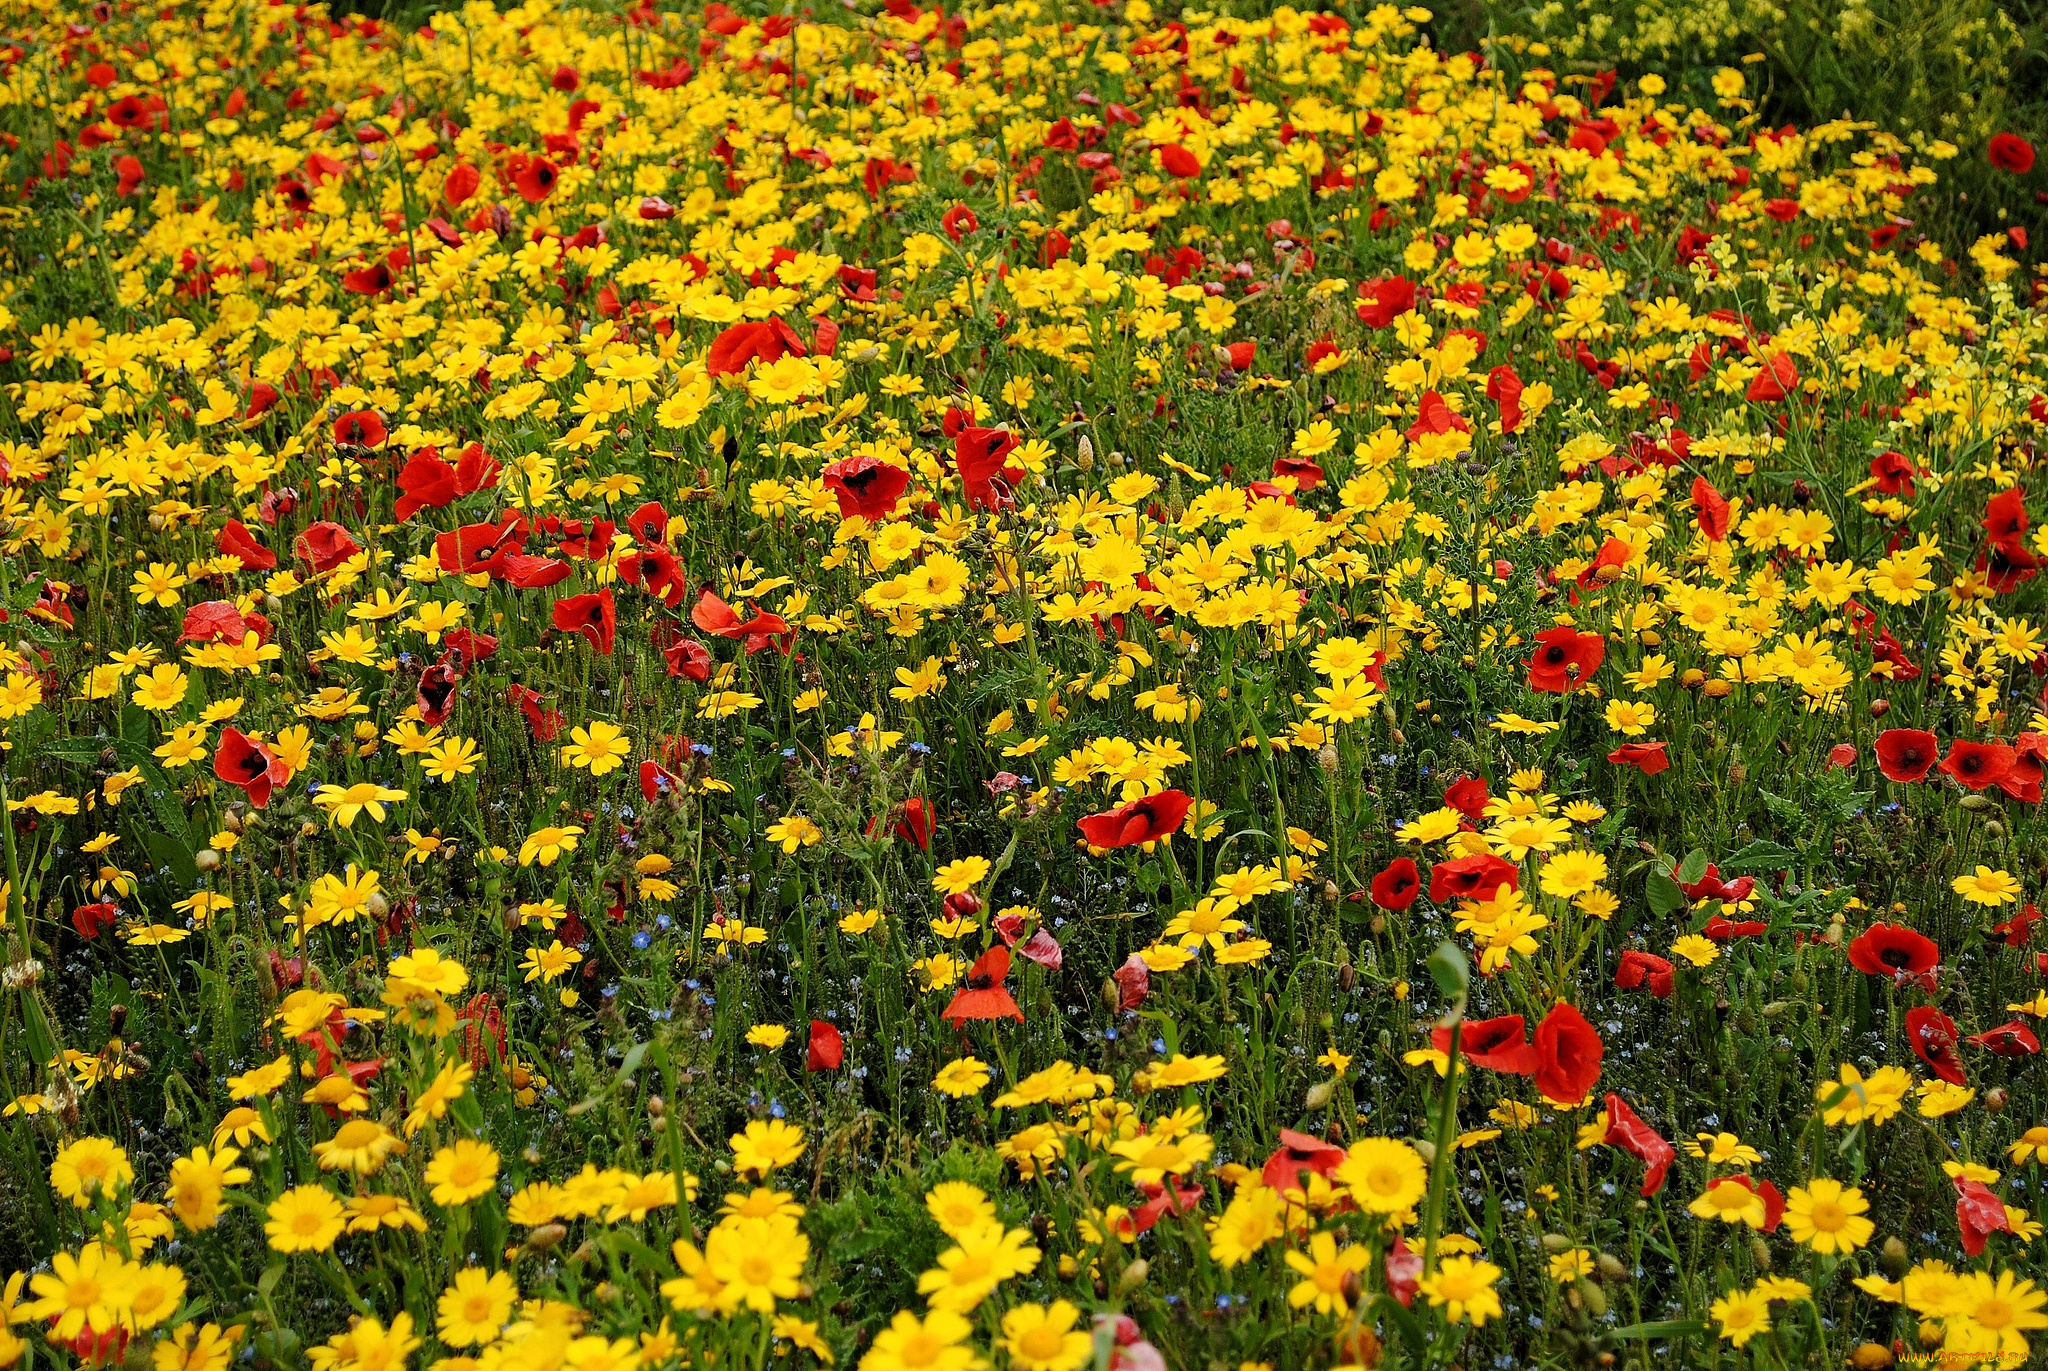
(206, 859)
(1556, 1242)
(1996, 1098)
(1880, 708)
(1871, 1356)
(1610, 1267)
(546, 1236)
(1319, 1094)
(1892, 1257)
(657, 1108)
(1595, 1297)
(1134, 1274)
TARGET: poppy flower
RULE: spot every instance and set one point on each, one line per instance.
(1710, 510)
(764, 341)
(244, 762)
(1504, 387)
(595, 616)
(374, 279)
(866, 486)
(1568, 1052)
(1299, 1152)
(1239, 356)
(2013, 1039)
(325, 546)
(916, 824)
(91, 920)
(984, 997)
(262, 395)
(213, 621)
(979, 455)
(1384, 299)
(826, 1049)
(1779, 376)
(2010, 152)
(2020, 927)
(1307, 475)
(523, 572)
(1627, 1131)
(2005, 516)
(1907, 754)
(1722, 929)
(1977, 765)
(1396, 887)
(1468, 796)
(689, 659)
(1177, 161)
(1162, 1197)
(1143, 820)
(359, 428)
(1898, 952)
(958, 222)
(657, 780)
(1495, 1044)
(1477, 877)
(2006, 566)
(2023, 781)
(1979, 1214)
(1644, 969)
(1648, 758)
(1932, 1036)
(1565, 659)
(475, 548)
(535, 179)
(436, 694)
(714, 615)
(1133, 983)
(1893, 473)
(129, 169)
(1435, 416)
(545, 723)
(461, 184)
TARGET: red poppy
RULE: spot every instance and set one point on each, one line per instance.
(535, 179)
(1898, 952)
(764, 341)
(1133, 983)
(129, 169)
(1143, 820)
(979, 454)
(1171, 1197)
(2011, 1039)
(1721, 929)
(595, 616)
(958, 222)
(325, 546)
(689, 659)
(371, 280)
(916, 824)
(1307, 475)
(461, 184)
(1711, 510)
(360, 428)
(1504, 387)
(1932, 1035)
(545, 723)
(2006, 566)
(1477, 877)
(1565, 659)
(242, 761)
(1176, 160)
(1384, 299)
(657, 780)
(2023, 781)
(429, 482)
(1977, 765)
(714, 615)
(1907, 754)
(826, 1050)
(1396, 887)
(1627, 1131)
(1644, 969)
(1434, 415)
(1568, 1053)
(2010, 152)
(480, 547)
(984, 997)
(1299, 1152)
(1893, 472)
(1239, 356)
(866, 486)
(1979, 1213)
(483, 1029)
(2020, 927)
(213, 621)
(523, 572)
(1648, 758)
(91, 920)
(1779, 376)
(1468, 796)
(1495, 1044)
(436, 694)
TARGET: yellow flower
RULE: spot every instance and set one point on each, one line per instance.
(765, 1145)
(546, 845)
(462, 1171)
(476, 1307)
(1827, 1217)
(1326, 1269)
(769, 1035)
(600, 748)
(1987, 887)
(1044, 1338)
(1742, 1315)
(305, 1218)
(966, 1076)
(795, 831)
(1463, 1288)
(90, 1168)
(958, 877)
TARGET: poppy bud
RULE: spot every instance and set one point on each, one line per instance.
(1424, 1148)
(1610, 1266)
(546, 1236)
(206, 859)
(1595, 1298)
(1326, 758)
(657, 1108)
(1995, 1099)
(1330, 892)
(1891, 1258)
(1760, 1252)
(963, 903)
(1975, 802)
(1556, 1242)
(1351, 1288)
(1133, 1276)
(1347, 977)
(1319, 1094)
(1880, 708)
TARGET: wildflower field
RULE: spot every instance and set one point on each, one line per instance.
(1055, 686)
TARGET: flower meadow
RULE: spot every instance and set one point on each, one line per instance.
(1044, 687)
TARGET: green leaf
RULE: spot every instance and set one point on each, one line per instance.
(1695, 866)
(1668, 1328)
(1451, 972)
(1762, 855)
(1403, 1322)
(1664, 894)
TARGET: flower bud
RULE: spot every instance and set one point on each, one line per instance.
(1891, 1258)
(1594, 1296)
(546, 1236)
(1319, 1094)
(206, 859)
(1134, 1274)
(1996, 1098)
(1871, 1356)
(1880, 708)
(1610, 1267)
